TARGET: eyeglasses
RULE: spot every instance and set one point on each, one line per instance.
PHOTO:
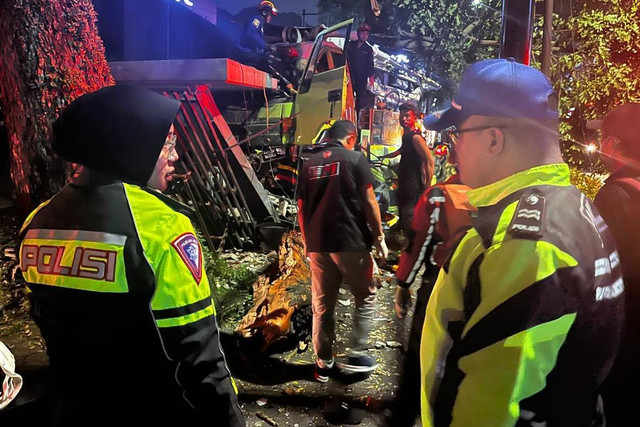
(454, 134)
(170, 144)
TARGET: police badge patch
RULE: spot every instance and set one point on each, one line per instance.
(256, 22)
(528, 219)
(189, 250)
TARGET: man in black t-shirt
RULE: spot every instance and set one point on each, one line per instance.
(415, 169)
(340, 220)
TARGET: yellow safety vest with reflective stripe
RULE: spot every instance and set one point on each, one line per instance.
(510, 332)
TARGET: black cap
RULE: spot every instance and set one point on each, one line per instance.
(119, 130)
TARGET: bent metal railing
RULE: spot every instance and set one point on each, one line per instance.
(221, 188)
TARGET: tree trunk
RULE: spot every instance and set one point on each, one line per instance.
(51, 54)
(281, 298)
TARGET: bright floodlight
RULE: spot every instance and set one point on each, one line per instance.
(591, 148)
(476, 2)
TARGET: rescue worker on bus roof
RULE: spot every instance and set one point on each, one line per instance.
(251, 48)
(524, 321)
(116, 272)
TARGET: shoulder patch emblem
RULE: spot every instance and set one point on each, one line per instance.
(256, 22)
(527, 220)
(326, 154)
(190, 252)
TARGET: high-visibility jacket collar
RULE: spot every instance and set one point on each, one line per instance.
(551, 174)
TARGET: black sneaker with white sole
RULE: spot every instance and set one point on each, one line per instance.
(358, 363)
(323, 370)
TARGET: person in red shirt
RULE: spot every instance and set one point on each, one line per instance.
(441, 217)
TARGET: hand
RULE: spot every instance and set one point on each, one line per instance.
(381, 248)
(402, 301)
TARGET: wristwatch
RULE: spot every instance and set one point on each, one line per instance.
(380, 238)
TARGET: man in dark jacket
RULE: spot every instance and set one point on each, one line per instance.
(116, 272)
(525, 318)
(618, 201)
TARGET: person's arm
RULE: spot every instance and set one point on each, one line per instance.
(391, 155)
(254, 33)
(364, 183)
(425, 154)
(370, 68)
(422, 239)
(184, 313)
(372, 213)
(507, 313)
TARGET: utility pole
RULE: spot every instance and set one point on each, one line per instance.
(304, 16)
(547, 29)
(517, 29)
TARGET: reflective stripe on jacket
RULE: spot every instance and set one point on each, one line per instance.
(440, 217)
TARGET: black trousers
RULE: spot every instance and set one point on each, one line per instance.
(406, 406)
(364, 99)
(407, 200)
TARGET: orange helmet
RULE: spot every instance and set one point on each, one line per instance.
(267, 7)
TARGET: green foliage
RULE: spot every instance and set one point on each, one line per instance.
(588, 183)
(231, 286)
(459, 30)
(598, 69)
(332, 12)
(224, 277)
